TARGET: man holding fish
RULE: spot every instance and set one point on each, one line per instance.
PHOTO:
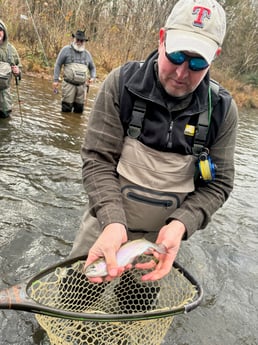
(158, 155)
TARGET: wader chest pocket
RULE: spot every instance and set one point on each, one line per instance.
(75, 73)
(5, 75)
(147, 209)
(148, 200)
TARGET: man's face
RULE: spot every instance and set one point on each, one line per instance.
(79, 44)
(177, 80)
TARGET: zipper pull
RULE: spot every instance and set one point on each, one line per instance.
(169, 136)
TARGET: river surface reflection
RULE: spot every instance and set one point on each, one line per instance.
(42, 200)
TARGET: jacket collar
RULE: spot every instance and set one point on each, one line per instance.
(144, 83)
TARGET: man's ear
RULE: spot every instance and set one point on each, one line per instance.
(218, 52)
(162, 35)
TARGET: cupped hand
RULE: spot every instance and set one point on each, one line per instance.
(170, 236)
(15, 70)
(55, 85)
(106, 246)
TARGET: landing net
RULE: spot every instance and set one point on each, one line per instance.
(130, 312)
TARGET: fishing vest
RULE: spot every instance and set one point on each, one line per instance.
(76, 73)
(201, 129)
(6, 71)
(154, 182)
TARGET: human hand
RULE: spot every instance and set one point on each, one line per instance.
(170, 236)
(106, 246)
(55, 86)
(15, 70)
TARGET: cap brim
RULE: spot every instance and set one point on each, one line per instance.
(177, 40)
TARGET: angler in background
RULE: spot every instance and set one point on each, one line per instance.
(158, 154)
(10, 64)
(77, 63)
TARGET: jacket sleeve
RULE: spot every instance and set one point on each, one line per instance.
(59, 62)
(91, 66)
(15, 59)
(197, 209)
(100, 153)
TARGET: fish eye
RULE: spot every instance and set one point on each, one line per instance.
(93, 269)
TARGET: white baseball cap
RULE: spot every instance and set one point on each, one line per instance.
(197, 26)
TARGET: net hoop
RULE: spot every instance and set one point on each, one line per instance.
(100, 317)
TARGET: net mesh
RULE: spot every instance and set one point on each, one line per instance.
(68, 289)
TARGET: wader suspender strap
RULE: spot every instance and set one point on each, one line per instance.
(139, 109)
(135, 125)
(72, 54)
(138, 113)
(203, 124)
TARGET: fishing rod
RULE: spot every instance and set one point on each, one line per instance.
(18, 92)
(87, 89)
(18, 95)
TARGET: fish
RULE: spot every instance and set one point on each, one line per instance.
(124, 256)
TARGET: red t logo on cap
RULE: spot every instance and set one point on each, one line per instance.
(202, 13)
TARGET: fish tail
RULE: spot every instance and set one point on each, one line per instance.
(161, 248)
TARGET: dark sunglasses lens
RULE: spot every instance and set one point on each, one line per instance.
(195, 63)
(176, 58)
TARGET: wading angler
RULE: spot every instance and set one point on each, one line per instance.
(156, 132)
(77, 62)
(10, 64)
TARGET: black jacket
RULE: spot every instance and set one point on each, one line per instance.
(165, 113)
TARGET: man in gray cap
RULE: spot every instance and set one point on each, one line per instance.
(10, 64)
(77, 63)
(158, 155)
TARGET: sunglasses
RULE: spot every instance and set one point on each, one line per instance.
(195, 63)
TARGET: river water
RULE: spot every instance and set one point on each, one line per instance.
(42, 201)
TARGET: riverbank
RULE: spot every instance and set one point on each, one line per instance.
(245, 95)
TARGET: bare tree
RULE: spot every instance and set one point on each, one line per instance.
(240, 47)
(122, 30)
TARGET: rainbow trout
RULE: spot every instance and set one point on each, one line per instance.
(125, 255)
